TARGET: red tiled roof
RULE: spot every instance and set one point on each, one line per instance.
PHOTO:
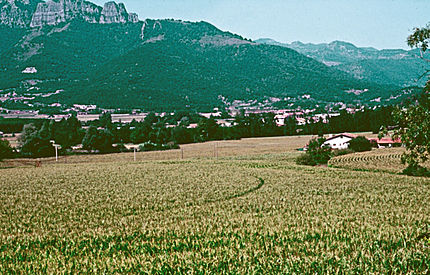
(385, 140)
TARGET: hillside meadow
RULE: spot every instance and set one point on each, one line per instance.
(249, 209)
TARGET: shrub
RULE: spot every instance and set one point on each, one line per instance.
(37, 147)
(416, 171)
(171, 145)
(374, 144)
(360, 144)
(306, 159)
(342, 152)
(317, 153)
(150, 146)
(5, 150)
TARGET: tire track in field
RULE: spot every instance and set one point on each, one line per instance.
(242, 194)
(208, 201)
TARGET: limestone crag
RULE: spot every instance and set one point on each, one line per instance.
(133, 17)
(83, 9)
(114, 13)
(49, 13)
(37, 13)
(55, 12)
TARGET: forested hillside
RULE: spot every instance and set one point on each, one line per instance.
(168, 65)
(66, 52)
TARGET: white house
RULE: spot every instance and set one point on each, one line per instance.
(29, 70)
(340, 141)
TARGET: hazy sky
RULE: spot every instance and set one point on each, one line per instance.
(375, 23)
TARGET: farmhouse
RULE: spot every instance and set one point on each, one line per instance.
(340, 141)
(386, 142)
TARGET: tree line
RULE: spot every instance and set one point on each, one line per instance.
(157, 133)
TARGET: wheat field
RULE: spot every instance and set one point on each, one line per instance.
(240, 213)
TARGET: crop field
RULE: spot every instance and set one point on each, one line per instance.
(220, 149)
(240, 213)
(384, 160)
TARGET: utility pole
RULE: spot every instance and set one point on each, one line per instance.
(56, 146)
(56, 152)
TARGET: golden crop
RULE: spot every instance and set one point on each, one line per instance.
(238, 214)
(383, 160)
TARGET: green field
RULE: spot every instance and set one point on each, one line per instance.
(252, 210)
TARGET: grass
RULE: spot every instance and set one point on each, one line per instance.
(256, 213)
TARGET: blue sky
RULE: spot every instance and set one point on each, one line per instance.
(373, 23)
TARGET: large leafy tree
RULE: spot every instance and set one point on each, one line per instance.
(5, 150)
(98, 140)
(414, 121)
(36, 142)
(140, 133)
(67, 132)
(317, 153)
(360, 144)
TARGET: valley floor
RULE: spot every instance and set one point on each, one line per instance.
(251, 210)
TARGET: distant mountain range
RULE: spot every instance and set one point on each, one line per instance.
(72, 51)
(393, 67)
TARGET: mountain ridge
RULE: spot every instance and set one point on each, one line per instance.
(80, 53)
(387, 66)
(168, 64)
(38, 13)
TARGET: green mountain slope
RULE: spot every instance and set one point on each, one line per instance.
(393, 67)
(66, 52)
(9, 38)
(195, 64)
(167, 65)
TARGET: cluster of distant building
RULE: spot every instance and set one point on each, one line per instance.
(85, 113)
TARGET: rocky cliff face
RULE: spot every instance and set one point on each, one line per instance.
(36, 13)
(53, 12)
(114, 13)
